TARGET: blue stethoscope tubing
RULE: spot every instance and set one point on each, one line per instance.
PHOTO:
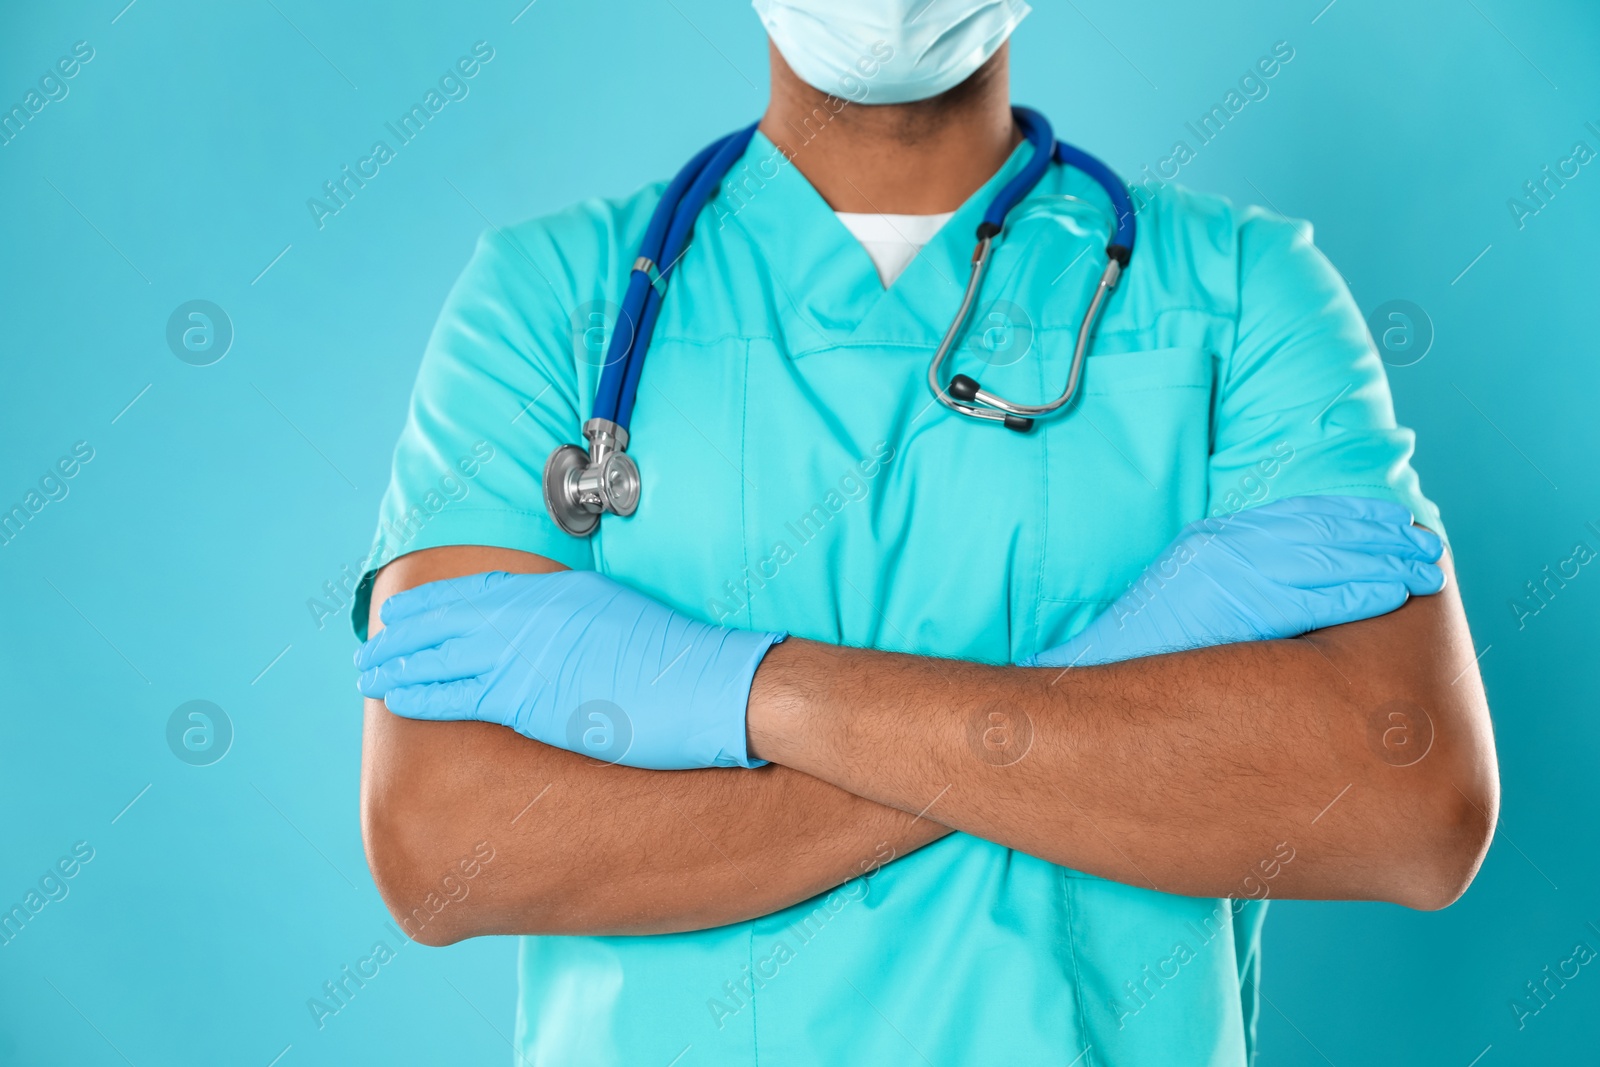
(665, 240)
(1036, 129)
(672, 223)
(964, 394)
(579, 487)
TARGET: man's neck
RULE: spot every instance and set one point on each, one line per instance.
(921, 158)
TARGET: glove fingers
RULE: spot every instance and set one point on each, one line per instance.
(1287, 508)
(1349, 507)
(461, 605)
(459, 610)
(1290, 612)
(449, 662)
(431, 595)
(436, 700)
(1326, 567)
(414, 633)
(1423, 578)
(1356, 601)
(1328, 527)
(1315, 519)
(1411, 542)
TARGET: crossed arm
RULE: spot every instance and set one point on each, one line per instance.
(1177, 772)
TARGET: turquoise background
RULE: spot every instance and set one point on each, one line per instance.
(179, 564)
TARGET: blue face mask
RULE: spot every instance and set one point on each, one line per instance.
(888, 51)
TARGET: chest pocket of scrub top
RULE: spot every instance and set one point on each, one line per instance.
(684, 544)
(1158, 977)
(1125, 469)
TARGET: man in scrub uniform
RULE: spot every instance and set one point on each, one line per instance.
(893, 887)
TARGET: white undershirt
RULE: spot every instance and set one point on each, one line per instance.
(892, 241)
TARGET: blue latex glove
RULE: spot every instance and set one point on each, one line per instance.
(1279, 570)
(572, 659)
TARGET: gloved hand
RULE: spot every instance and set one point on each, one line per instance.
(1279, 570)
(572, 659)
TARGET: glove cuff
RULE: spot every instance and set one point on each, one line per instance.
(753, 647)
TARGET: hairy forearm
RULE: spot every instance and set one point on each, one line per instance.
(585, 847)
(1179, 772)
(581, 846)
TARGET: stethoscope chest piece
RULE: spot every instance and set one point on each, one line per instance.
(581, 486)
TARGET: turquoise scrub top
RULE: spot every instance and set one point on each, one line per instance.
(799, 476)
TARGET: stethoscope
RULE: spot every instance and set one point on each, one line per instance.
(580, 486)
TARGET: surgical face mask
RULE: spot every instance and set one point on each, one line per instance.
(888, 51)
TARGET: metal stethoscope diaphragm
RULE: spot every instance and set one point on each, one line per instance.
(580, 485)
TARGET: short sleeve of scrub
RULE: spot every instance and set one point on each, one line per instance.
(1303, 406)
(496, 391)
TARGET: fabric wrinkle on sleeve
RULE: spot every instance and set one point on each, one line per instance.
(498, 388)
(1303, 406)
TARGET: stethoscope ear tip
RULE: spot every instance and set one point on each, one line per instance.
(966, 389)
(581, 484)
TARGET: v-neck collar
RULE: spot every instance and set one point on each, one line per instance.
(826, 279)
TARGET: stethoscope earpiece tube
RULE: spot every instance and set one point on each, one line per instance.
(964, 394)
(581, 485)
(680, 230)
(623, 345)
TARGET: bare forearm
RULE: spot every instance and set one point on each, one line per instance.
(585, 847)
(1179, 772)
(580, 846)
